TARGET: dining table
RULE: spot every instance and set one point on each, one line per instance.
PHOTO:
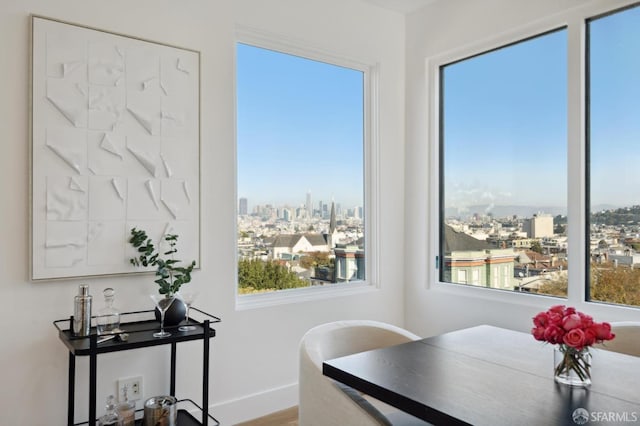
(487, 375)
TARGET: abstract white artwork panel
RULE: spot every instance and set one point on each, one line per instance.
(104, 243)
(115, 143)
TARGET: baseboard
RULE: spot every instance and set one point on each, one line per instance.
(249, 407)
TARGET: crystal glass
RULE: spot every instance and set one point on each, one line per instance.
(111, 416)
(187, 297)
(162, 302)
(108, 319)
(127, 409)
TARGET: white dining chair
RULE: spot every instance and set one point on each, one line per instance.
(326, 402)
(627, 340)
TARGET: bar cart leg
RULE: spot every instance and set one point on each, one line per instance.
(72, 389)
(205, 374)
(93, 368)
(172, 386)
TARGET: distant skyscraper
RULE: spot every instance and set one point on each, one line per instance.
(243, 207)
(357, 212)
(309, 206)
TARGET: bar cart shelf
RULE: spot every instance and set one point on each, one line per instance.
(139, 327)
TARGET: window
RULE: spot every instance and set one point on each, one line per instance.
(300, 171)
(476, 277)
(613, 129)
(503, 167)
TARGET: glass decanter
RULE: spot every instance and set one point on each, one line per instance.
(111, 417)
(108, 319)
(127, 409)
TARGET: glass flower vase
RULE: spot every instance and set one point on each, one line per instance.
(572, 366)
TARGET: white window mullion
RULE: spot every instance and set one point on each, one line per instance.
(576, 160)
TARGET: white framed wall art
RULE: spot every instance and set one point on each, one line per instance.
(115, 144)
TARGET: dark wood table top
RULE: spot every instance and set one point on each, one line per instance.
(491, 376)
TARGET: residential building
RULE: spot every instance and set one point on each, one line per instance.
(349, 264)
(471, 261)
(296, 244)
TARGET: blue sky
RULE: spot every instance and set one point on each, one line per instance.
(615, 108)
(299, 129)
(505, 120)
(300, 124)
(505, 125)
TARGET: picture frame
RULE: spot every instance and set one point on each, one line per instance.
(115, 144)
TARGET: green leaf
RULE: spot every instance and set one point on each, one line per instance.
(171, 276)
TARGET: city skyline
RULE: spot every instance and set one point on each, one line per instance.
(302, 204)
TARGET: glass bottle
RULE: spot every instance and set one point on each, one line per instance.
(111, 417)
(108, 319)
(127, 409)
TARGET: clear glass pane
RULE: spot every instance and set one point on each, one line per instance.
(614, 156)
(503, 168)
(300, 153)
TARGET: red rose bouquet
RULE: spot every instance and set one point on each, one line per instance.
(574, 332)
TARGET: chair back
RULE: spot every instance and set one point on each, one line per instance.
(342, 338)
(324, 402)
(627, 340)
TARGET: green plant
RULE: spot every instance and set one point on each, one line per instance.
(171, 275)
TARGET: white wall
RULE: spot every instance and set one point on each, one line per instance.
(254, 368)
(441, 28)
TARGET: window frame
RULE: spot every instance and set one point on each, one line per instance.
(587, 142)
(575, 23)
(281, 44)
(497, 282)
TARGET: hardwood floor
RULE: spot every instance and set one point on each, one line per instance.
(288, 417)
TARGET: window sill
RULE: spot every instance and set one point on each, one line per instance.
(538, 301)
(282, 297)
(498, 295)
